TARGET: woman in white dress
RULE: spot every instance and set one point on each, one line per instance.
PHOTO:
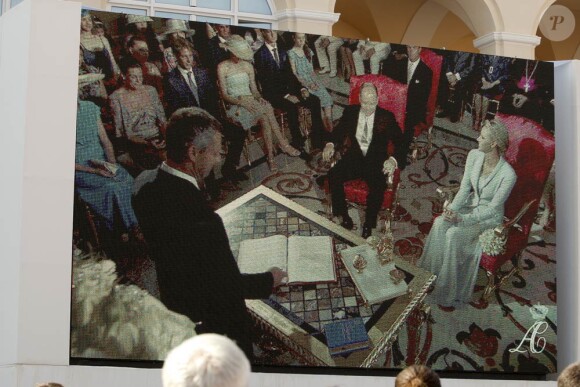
(238, 88)
(452, 249)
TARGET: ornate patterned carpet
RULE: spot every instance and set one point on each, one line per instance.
(477, 337)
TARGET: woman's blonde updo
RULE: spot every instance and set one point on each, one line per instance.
(499, 134)
(417, 376)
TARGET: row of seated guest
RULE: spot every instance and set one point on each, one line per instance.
(140, 101)
(521, 87)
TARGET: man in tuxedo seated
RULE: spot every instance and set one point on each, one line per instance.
(418, 76)
(282, 90)
(196, 270)
(362, 138)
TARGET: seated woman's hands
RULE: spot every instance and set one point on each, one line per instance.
(328, 152)
(451, 216)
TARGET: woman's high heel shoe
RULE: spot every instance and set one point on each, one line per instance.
(290, 150)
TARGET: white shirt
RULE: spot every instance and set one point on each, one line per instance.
(360, 128)
(184, 74)
(172, 171)
(271, 48)
(411, 66)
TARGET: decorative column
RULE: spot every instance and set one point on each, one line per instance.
(315, 17)
(509, 27)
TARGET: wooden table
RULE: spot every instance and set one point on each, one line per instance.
(296, 314)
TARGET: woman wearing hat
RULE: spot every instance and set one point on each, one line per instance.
(174, 29)
(237, 85)
(96, 49)
(140, 25)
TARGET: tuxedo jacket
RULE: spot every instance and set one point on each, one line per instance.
(417, 95)
(275, 80)
(196, 270)
(385, 130)
(482, 200)
(178, 94)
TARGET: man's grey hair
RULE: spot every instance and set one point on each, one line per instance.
(207, 360)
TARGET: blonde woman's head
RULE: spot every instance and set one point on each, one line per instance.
(417, 376)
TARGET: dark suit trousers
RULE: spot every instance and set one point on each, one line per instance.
(313, 104)
(355, 166)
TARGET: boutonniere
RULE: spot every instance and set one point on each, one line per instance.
(417, 81)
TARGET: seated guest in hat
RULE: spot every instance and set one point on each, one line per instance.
(99, 181)
(96, 50)
(139, 25)
(174, 29)
(207, 360)
(247, 108)
(139, 121)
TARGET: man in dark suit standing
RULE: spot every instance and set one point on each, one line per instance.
(458, 71)
(197, 273)
(362, 138)
(418, 76)
(281, 89)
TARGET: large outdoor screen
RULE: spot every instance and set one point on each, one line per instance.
(406, 194)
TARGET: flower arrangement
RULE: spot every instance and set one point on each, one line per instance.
(491, 243)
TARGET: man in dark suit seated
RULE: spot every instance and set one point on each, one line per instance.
(281, 89)
(362, 138)
(196, 270)
(418, 76)
(216, 53)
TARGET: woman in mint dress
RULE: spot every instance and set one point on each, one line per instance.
(105, 192)
(304, 72)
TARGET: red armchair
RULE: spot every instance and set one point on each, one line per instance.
(531, 153)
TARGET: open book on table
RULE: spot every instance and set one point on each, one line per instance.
(307, 259)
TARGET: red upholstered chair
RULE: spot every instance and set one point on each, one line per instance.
(531, 153)
(392, 97)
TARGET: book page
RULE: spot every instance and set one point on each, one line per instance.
(259, 255)
(310, 259)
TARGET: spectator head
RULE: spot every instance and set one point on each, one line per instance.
(417, 376)
(183, 51)
(132, 73)
(570, 377)
(138, 48)
(49, 384)
(369, 98)
(207, 360)
(98, 27)
(86, 21)
(493, 133)
(194, 141)
(223, 30)
(270, 36)
(413, 53)
(175, 28)
(138, 22)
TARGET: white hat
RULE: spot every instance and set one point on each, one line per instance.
(138, 19)
(239, 47)
(177, 25)
(87, 79)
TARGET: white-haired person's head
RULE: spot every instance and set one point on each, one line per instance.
(207, 360)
